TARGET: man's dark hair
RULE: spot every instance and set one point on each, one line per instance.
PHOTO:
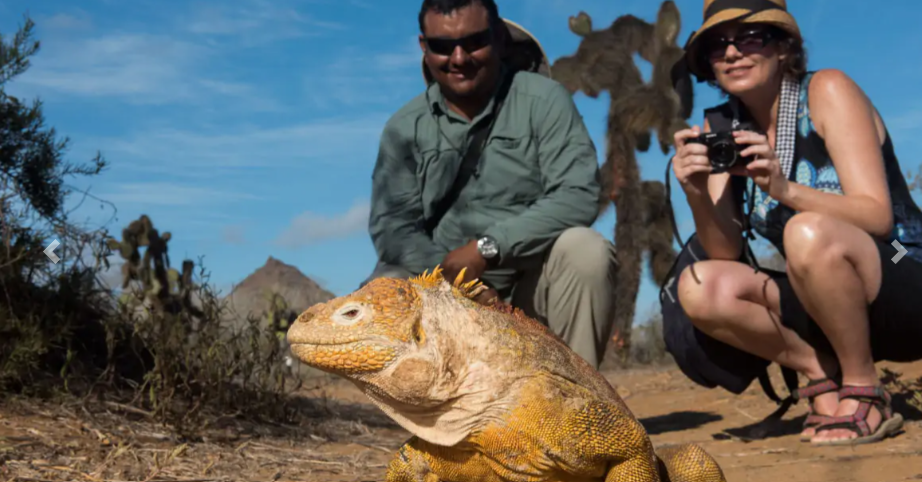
(447, 6)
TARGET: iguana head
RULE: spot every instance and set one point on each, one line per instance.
(435, 361)
(385, 334)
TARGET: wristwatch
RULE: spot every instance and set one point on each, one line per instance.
(487, 247)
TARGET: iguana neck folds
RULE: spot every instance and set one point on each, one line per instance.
(445, 392)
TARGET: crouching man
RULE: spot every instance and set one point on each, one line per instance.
(492, 169)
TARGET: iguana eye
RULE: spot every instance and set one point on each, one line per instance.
(348, 314)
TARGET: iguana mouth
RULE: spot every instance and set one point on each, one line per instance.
(366, 342)
(325, 343)
(345, 356)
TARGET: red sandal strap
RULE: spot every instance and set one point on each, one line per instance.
(856, 422)
(815, 419)
(814, 388)
(876, 392)
(873, 396)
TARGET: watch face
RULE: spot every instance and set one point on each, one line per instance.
(487, 247)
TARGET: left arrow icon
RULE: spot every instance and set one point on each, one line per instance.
(49, 251)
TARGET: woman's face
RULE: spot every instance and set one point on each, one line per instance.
(742, 56)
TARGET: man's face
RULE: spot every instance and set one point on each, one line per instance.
(459, 49)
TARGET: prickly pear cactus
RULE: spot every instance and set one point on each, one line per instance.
(148, 279)
(605, 61)
(278, 315)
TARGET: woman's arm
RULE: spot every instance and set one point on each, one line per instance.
(717, 221)
(846, 120)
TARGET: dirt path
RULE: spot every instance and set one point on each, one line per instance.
(675, 410)
(354, 441)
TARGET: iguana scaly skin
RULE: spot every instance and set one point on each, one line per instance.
(488, 394)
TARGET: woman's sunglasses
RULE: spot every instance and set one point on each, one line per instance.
(470, 43)
(747, 42)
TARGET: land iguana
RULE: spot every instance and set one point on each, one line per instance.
(488, 394)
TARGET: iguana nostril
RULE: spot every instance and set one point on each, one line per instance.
(305, 317)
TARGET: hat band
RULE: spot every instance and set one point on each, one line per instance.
(754, 6)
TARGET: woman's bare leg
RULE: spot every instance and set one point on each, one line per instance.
(834, 267)
(732, 303)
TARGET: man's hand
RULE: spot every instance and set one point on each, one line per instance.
(469, 257)
(466, 256)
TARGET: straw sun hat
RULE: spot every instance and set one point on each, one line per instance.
(716, 12)
(523, 52)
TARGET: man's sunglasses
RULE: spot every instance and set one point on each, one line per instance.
(470, 43)
(747, 42)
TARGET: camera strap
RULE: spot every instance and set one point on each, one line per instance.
(785, 129)
(786, 132)
(735, 110)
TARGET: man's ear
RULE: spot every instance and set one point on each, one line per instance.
(422, 43)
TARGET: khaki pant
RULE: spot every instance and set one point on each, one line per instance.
(570, 289)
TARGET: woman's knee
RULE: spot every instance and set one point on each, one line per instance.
(817, 243)
(704, 289)
(810, 243)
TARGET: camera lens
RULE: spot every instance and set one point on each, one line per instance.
(723, 154)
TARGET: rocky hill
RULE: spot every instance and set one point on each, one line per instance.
(252, 295)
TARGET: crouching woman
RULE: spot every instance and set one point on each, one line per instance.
(826, 189)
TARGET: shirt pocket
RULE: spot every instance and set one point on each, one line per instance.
(436, 172)
(509, 170)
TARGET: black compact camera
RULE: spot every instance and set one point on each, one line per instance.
(723, 151)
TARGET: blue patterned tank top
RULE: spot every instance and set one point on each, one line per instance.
(813, 167)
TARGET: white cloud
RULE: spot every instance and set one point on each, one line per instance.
(309, 228)
(362, 79)
(66, 21)
(168, 62)
(410, 56)
(195, 154)
(139, 68)
(149, 194)
(254, 22)
(112, 277)
(234, 234)
(193, 177)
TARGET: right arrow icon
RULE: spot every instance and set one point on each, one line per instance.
(900, 251)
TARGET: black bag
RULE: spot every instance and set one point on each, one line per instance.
(703, 359)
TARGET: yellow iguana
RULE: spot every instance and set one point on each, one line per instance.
(488, 394)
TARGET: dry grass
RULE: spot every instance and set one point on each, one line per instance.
(92, 441)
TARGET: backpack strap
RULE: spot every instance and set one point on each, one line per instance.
(470, 161)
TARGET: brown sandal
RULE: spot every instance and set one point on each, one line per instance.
(813, 389)
(877, 397)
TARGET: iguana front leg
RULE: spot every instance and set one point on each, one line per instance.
(420, 461)
(637, 469)
(688, 463)
(681, 463)
(410, 465)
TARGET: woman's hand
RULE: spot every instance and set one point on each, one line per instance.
(690, 163)
(765, 169)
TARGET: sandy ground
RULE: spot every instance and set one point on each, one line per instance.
(351, 441)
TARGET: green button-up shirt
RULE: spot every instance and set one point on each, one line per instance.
(538, 175)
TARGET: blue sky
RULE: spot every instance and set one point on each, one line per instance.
(249, 128)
